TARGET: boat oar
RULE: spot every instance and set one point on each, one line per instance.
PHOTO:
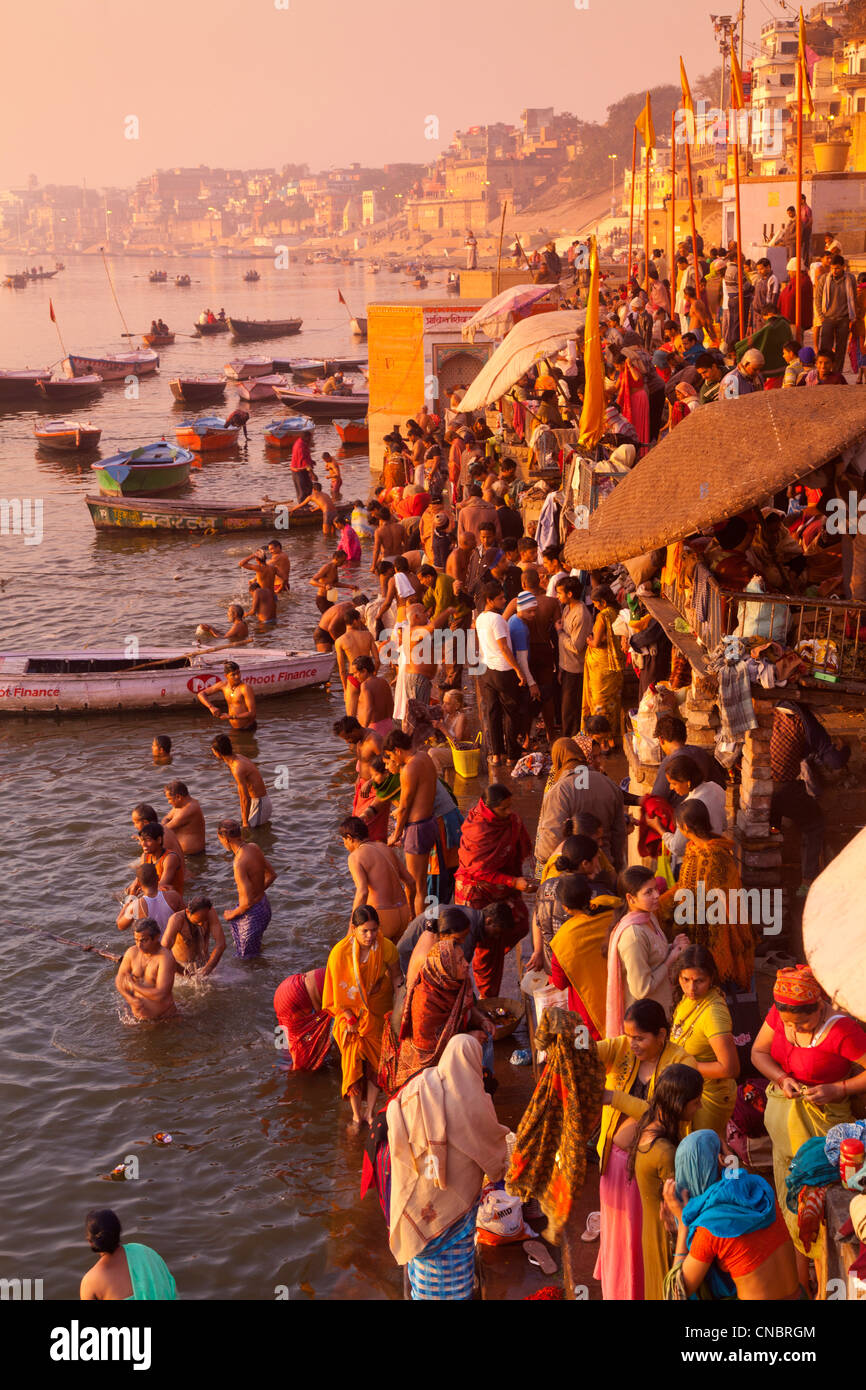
(181, 656)
(66, 941)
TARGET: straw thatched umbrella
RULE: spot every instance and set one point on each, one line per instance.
(834, 928)
(724, 458)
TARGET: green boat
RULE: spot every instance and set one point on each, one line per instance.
(151, 469)
(204, 518)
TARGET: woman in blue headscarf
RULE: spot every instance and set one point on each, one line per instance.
(730, 1231)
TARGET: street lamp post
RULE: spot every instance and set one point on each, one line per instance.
(613, 159)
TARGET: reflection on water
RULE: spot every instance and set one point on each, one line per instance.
(260, 1187)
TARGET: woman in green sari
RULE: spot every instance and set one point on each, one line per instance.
(604, 664)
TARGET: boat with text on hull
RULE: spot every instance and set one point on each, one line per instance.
(113, 366)
(170, 517)
(108, 680)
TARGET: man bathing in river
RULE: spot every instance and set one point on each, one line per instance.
(356, 641)
(144, 814)
(169, 863)
(415, 824)
(324, 581)
(195, 938)
(375, 697)
(280, 563)
(263, 604)
(150, 901)
(161, 749)
(256, 806)
(253, 876)
(239, 698)
(185, 818)
(237, 630)
(146, 975)
(258, 562)
(381, 879)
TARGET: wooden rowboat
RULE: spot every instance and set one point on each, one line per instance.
(206, 433)
(67, 436)
(281, 434)
(205, 329)
(153, 468)
(15, 385)
(324, 407)
(260, 388)
(70, 388)
(113, 366)
(107, 681)
(351, 432)
(264, 328)
(239, 368)
(196, 390)
(200, 518)
(158, 339)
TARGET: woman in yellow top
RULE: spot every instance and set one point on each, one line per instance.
(362, 972)
(604, 664)
(701, 1024)
(629, 1255)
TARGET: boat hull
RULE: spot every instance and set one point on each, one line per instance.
(112, 368)
(184, 518)
(204, 330)
(144, 478)
(68, 441)
(268, 671)
(268, 328)
(16, 386)
(322, 407)
(204, 443)
(196, 392)
(71, 390)
(242, 368)
(350, 433)
(154, 340)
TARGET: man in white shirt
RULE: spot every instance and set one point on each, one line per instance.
(574, 628)
(503, 684)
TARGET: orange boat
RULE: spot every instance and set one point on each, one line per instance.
(158, 339)
(281, 434)
(353, 431)
(206, 433)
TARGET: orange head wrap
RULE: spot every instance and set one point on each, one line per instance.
(796, 987)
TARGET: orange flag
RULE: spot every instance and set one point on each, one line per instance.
(688, 104)
(644, 125)
(803, 62)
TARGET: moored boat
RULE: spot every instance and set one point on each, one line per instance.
(15, 385)
(239, 368)
(67, 436)
(183, 282)
(264, 328)
(260, 388)
(70, 388)
(206, 433)
(323, 407)
(352, 432)
(281, 434)
(113, 366)
(195, 390)
(312, 368)
(358, 327)
(204, 330)
(158, 339)
(202, 518)
(152, 468)
(108, 680)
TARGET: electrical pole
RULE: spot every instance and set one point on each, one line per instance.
(724, 29)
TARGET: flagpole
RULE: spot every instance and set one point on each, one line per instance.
(57, 326)
(673, 193)
(798, 289)
(739, 230)
(631, 209)
(646, 235)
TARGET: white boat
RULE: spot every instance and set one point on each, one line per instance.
(260, 388)
(113, 366)
(107, 680)
(242, 367)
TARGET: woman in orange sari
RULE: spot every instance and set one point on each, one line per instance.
(706, 901)
(362, 972)
(604, 664)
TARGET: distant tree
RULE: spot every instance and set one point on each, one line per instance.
(708, 86)
(592, 171)
(298, 210)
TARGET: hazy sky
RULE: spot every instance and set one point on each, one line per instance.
(323, 82)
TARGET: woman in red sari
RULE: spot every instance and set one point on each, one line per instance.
(493, 847)
(298, 1007)
(438, 1005)
(633, 399)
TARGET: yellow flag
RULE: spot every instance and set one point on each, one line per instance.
(808, 103)
(738, 100)
(687, 91)
(592, 416)
(644, 125)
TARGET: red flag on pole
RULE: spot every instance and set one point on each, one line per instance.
(342, 300)
(51, 311)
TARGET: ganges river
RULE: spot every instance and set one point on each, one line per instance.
(257, 1197)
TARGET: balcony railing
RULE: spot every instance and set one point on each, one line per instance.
(832, 627)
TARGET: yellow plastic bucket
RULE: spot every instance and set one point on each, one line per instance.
(467, 758)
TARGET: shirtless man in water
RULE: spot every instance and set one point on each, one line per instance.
(258, 563)
(280, 563)
(357, 640)
(237, 630)
(146, 976)
(239, 698)
(256, 808)
(253, 876)
(389, 536)
(325, 579)
(381, 880)
(169, 864)
(263, 603)
(185, 818)
(332, 623)
(375, 697)
(144, 814)
(415, 824)
(188, 935)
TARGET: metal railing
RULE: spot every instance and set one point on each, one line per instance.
(832, 626)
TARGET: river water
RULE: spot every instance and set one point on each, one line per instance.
(257, 1196)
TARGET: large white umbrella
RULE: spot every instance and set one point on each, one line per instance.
(543, 335)
(834, 928)
(496, 317)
